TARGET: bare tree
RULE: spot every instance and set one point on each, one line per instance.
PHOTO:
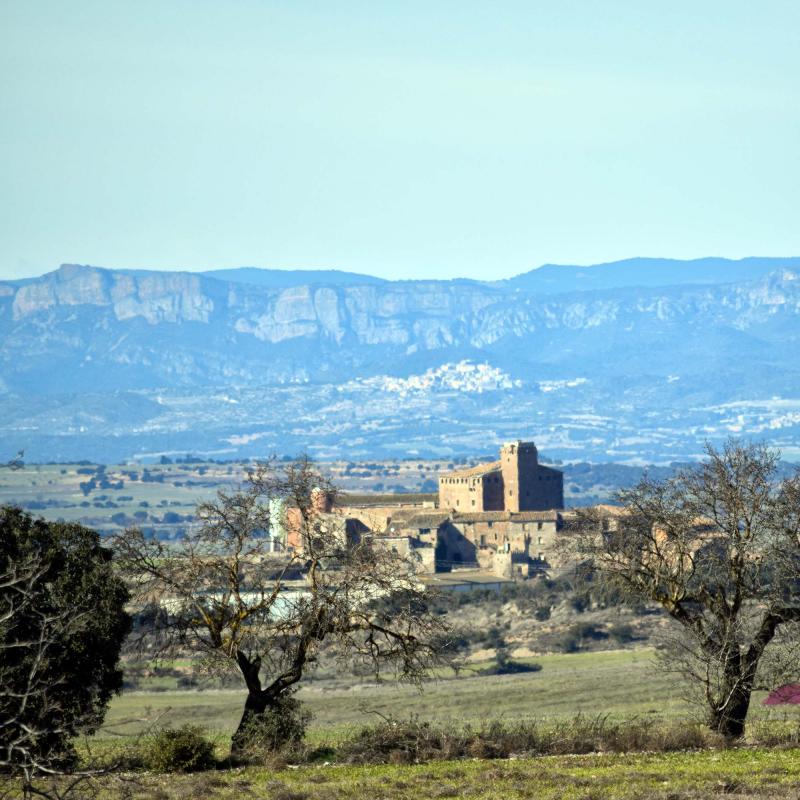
(225, 593)
(717, 546)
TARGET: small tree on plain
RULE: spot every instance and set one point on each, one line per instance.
(15, 463)
(717, 546)
(62, 624)
(226, 595)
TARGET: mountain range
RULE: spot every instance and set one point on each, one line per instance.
(638, 360)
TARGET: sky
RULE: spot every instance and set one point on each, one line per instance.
(402, 139)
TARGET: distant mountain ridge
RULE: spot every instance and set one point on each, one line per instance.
(283, 278)
(134, 360)
(548, 278)
(559, 278)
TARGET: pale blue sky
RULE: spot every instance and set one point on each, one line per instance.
(404, 139)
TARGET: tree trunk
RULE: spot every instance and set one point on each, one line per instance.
(729, 718)
(257, 700)
(256, 704)
(260, 700)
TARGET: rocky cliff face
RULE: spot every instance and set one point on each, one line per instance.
(157, 297)
(414, 314)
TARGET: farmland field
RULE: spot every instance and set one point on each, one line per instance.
(163, 497)
(620, 683)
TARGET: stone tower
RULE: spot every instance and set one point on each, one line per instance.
(517, 482)
(519, 463)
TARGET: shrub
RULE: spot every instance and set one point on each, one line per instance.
(580, 602)
(622, 633)
(586, 630)
(278, 728)
(576, 637)
(505, 665)
(411, 741)
(775, 733)
(566, 642)
(184, 749)
(395, 741)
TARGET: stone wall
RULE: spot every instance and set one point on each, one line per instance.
(461, 491)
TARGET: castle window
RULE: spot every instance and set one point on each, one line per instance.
(483, 540)
(539, 526)
(473, 502)
(490, 523)
(539, 540)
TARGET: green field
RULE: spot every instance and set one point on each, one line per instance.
(732, 774)
(620, 683)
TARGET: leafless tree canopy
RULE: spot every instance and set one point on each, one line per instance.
(226, 595)
(718, 547)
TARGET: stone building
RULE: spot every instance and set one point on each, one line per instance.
(501, 518)
(516, 482)
(508, 544)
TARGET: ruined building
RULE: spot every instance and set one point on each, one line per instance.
(516, 482)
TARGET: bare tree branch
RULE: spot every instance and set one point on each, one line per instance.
(718, 548)
(228, 594)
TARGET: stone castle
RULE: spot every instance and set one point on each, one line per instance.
(516, 482)
(500, 518)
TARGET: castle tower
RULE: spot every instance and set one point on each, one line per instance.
(517, 482)
(519, 463)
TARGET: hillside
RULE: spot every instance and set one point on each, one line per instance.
(104, 364)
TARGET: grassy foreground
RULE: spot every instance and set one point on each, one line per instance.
(742, 773)
(615, 684)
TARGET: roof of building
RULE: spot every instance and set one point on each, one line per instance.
(433, 520)
(402, 516)
(369, 499)
(507, 516)
(536, 516)
(417, 521)
(473, 472)
(553, 470)
(462, 578)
